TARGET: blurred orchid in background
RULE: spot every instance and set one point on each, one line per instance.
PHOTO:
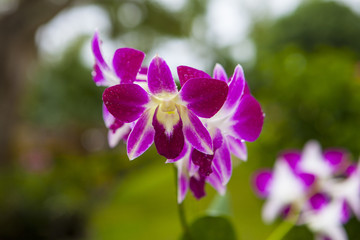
(319, 189)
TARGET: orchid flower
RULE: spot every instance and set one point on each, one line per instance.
(325, 217)
(165, 115)
(240, 119)
(125, 68)
(347, 189)
(284, 187)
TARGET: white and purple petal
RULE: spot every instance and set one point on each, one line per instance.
(195, 132)
(336, 158)
(142, 135)
(247, 120)
(160, 80)
(100, 64)
(185, 73)
(222, 159)
(215, 181)
(127, 63)
(236, 89)
(219, 73)
(204, 96)
(237, 147)
(183, 185)
(126, 102)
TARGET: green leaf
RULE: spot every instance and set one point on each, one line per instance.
(210, 228)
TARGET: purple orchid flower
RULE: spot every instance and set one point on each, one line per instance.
(326, 217)
(125, 68)
(239, 120)
(283, 187)
(321, 188)
(162, 114)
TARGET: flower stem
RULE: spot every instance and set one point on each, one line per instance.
(280, 232)
(181, 212)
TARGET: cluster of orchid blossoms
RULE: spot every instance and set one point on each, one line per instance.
(196, 128)
(318, 188)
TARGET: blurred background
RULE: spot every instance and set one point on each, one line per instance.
(58, 177)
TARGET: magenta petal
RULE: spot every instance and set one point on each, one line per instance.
(292, 158)
(185, 73)
(204, 96)
(184, 152)
(195, 132)
(126, 102)
(160, 79)
(142, 135)
(183, 186)
(318, 201)
(237, 147)
(202, 160)
(262, 181)
(222, 162)
(248, 119)
(168, 143)
(197, 187)
(96, 50)
(307, 179)
(335, 158)
(236, 89)
(219, 73)
(127, 63)
(215, 181)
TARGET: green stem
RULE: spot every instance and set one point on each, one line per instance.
(280, 232)
(181, 212)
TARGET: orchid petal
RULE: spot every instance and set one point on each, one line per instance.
(262, 181)
(197, 187)
(222, 160)
(215, 181)
(183, 185)
(202, 160)
(95, 44)
(126, 102)
(236, 89)
(248, 119)
(142, 135)
(204, 96)
(195, 132)
(312, 160)
(127, 63)
(237, 147)
(318, 201)
(335, 158)
(185, 73)
(100, 65)
(108, 118)
(271, 209)
(115, 136)
(292, 158)
(169, 137)
(184, 154)
(160, 80)
(219, 73)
